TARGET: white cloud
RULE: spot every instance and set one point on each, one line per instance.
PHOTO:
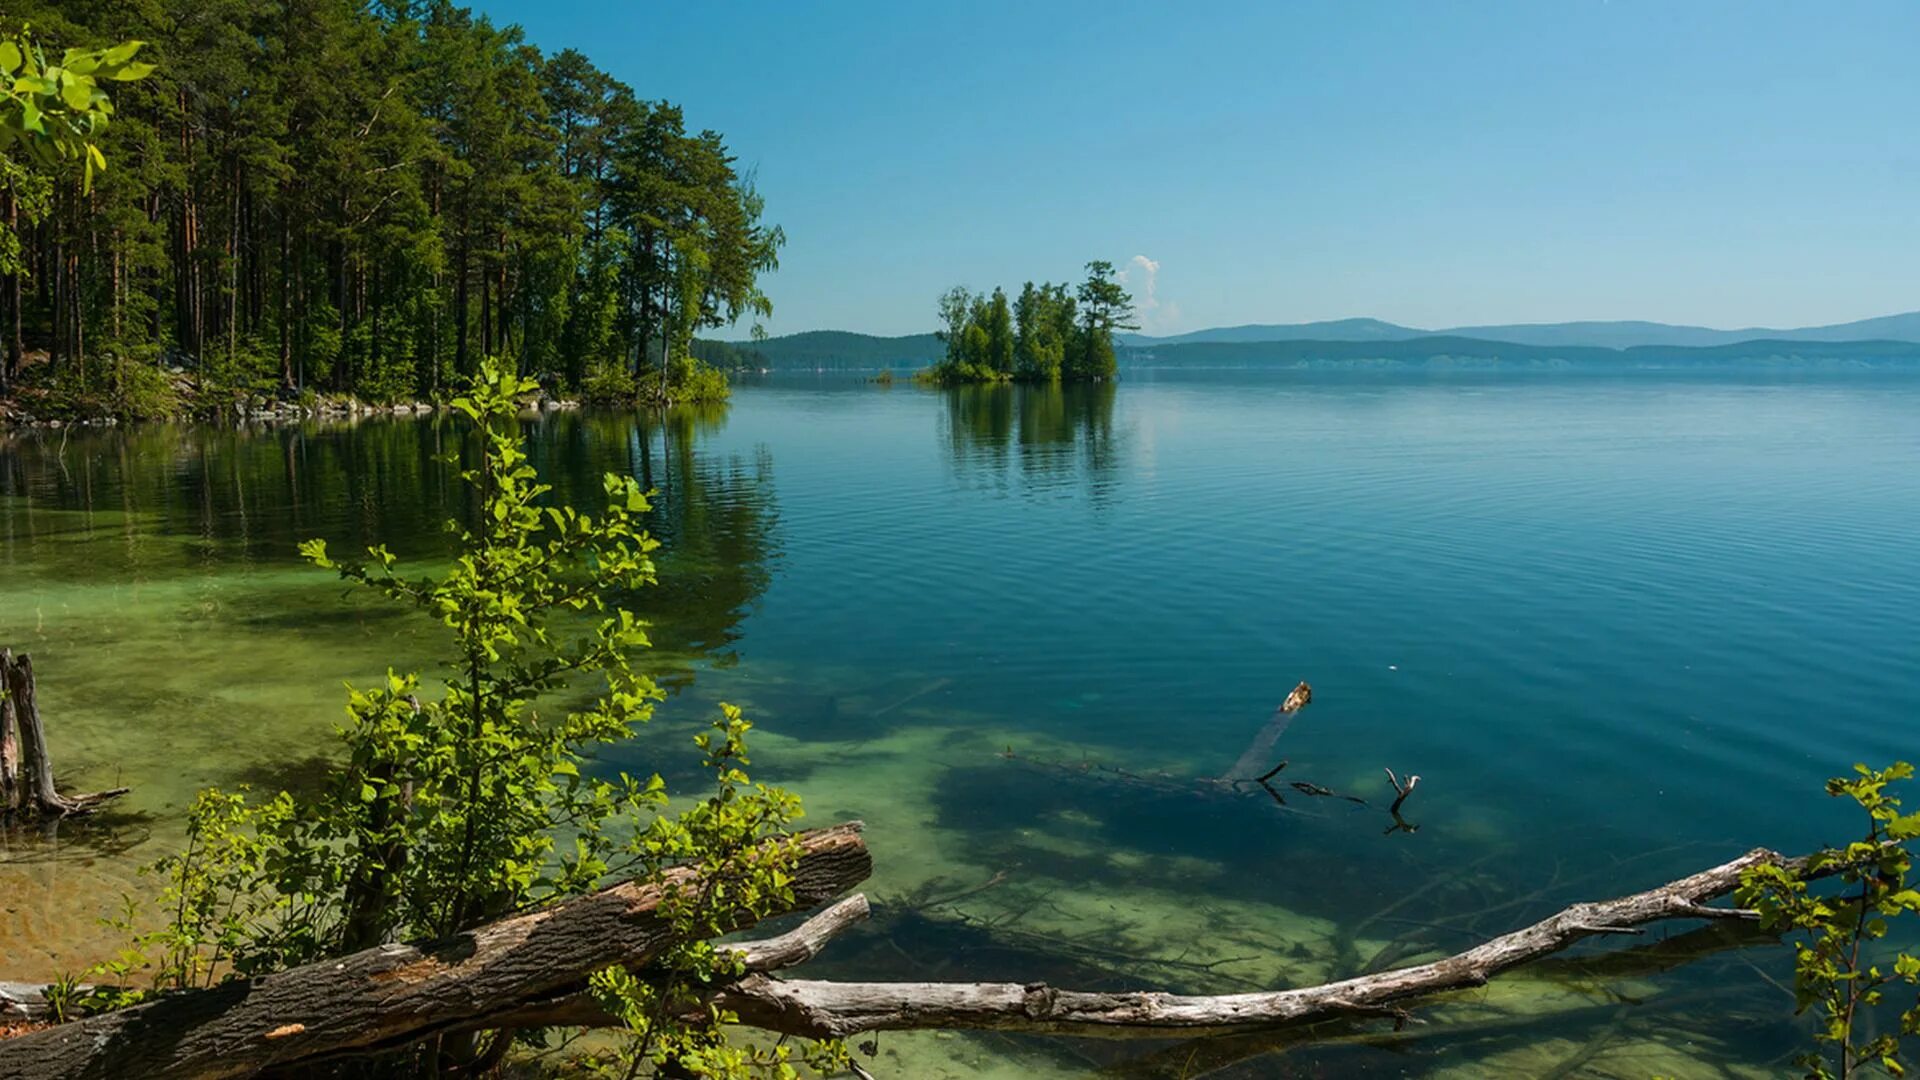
(1142, 276)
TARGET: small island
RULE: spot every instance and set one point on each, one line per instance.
(1049, 334)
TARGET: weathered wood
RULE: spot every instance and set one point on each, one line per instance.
(10, 793)
(821, 1009)
(22, 1001)
(1253, 760)
(36, 765)
(838, 1009)
(577, 1008)
(28, 1001)
(394, 994)
(32, 789)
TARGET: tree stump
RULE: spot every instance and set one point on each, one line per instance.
(26, 768)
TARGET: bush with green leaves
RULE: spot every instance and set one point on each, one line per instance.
(467, 797)
(1840, 970)
(56, 111)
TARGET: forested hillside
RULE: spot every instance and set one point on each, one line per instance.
(1445, 353)
(368, 198)
(833, 350)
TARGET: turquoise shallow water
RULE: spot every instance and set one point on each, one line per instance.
(1622, 627)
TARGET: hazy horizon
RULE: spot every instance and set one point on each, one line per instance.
(729, 334)
(1714, 164)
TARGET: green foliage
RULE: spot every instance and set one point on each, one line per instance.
(1048, 334)
(1834, 969)
(129, 387)
(743, 861)
(1104, 308)
(684, 381)
(30, 194)
(1046, 317)
(367, 200)
(56, 112)
(465, 799)
(609, 384)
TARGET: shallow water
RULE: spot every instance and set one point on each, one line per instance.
(1622, 628)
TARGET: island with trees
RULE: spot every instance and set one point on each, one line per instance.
(1050, 333)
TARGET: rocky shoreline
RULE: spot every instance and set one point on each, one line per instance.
(17, 411)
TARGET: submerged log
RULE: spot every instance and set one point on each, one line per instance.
(26, 767)
(1253, 760)
(394, 995)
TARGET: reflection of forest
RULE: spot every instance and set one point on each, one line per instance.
(189, 499)
(1053, 433)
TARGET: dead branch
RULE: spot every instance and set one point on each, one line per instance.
(835, 1009)
(26, 768)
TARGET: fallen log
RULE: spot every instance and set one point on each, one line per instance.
(1253, 760)
(831, 1009)
(395, 994)
(530, 970)
(837, 1009)
(26, 768)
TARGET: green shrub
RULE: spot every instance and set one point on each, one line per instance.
(608, 384)
(1834, 966)
(468, 797)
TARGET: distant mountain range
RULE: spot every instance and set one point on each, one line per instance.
(1891, 340)
(830, 350)
(1607, 335)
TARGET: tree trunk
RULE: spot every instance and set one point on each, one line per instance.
(26, 768)
(395, 995)
(16, 344)
(10, 783)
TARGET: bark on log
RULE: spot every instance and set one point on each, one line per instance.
(577, 1008)
(393, 994)
(10, 793)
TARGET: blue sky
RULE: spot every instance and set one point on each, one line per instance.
(1727, 164)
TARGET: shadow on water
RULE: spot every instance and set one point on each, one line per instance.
(110, 833)
(1045, 439)
(147, 557)
(159, 500)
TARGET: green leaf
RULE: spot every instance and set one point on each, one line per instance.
(121, 53)
(9, 57)
(76, 92)
(131, 72)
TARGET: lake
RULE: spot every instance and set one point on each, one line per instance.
(1622, 627)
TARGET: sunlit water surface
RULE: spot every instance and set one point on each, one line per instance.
(1622, 628)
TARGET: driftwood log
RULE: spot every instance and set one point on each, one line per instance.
(528, 971)
(837, 1009)
(26, 768)
(394, 995)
